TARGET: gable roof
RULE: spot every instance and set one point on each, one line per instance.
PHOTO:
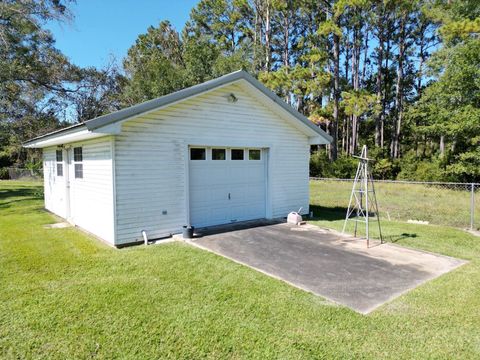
(135, 110)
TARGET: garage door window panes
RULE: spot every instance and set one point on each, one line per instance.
(219, 154)
(237, 154)
(197, 154)
(254, 154)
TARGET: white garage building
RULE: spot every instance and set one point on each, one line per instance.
(223, 151)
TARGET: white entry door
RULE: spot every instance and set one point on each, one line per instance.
(226, 185)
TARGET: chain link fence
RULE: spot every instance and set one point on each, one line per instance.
(451, 204)
(21, 174)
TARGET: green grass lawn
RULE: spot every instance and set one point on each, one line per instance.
(438, 204)
(66, 295)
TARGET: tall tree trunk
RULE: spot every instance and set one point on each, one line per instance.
(365, 58)
(357, 43)
(395, 144)
(379, 84)
(336, 96)
(442, 145)
(256, 37)
(286, 40)
(419, 81)
(268, 49)
(347, 53)
(386, 91)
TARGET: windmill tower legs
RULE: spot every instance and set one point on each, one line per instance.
(363, 200)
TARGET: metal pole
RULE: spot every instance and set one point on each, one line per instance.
(376, 209)
(472, 206)
(366, 201)
(350, 202)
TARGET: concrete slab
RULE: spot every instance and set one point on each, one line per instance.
(60, 225)
(326, 263)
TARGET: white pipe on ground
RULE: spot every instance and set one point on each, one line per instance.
(145, 238)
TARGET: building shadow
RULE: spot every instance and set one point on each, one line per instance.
(328, 213)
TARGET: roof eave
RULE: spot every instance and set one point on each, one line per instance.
(60, 138)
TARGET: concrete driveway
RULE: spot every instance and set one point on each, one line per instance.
(326, 263)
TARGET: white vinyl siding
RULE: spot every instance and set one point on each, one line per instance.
(91, 197)
(152, 158)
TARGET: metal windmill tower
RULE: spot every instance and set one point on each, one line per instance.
(363, 201)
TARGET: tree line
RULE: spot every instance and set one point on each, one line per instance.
(402, 77)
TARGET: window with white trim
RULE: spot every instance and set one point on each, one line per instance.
(78, 162)
(59, 164)
(198, 154)
(219, 154)
(237, 154)
(254, 154)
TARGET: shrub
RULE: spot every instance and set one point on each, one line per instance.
(320, 165)
(421, 170)
(344, 167)
(384, 169)
(4, 174)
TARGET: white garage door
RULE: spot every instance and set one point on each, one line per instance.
(226, 185)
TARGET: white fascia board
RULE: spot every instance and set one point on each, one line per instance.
(318, 140)
(64, 139)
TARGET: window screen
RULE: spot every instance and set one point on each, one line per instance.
(59, 169)
(59, 156)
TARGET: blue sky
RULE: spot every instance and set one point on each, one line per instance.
(102, 28)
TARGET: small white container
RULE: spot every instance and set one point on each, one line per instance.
(294, 218)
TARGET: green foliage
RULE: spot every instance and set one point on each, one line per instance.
(343, 168)
(163, 61)
(154, 65)
(226, 23)
(459, 20)
(384, 169)
(425, 170)
(4, 173)
(466, 166)
(98, 92)
(358, 102)
(35, 78)
(450, 108)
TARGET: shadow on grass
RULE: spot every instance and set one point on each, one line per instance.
(321, 213)
(9, 196)
(23, 192)
(328, 213)
(395, 238)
